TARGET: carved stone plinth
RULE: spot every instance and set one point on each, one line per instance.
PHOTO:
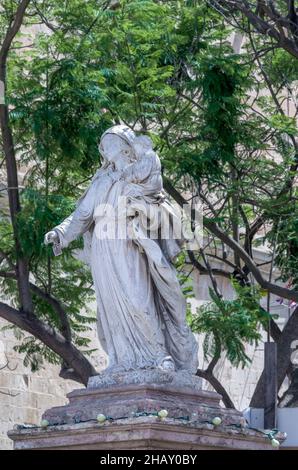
(130, 402)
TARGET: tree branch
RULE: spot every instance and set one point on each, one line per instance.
(211, 276)
(65, 326)
(272, 28)
(204, 271)
(12, 31)
(225, 238)
(284, 351)
(218, 387)
(51, 338)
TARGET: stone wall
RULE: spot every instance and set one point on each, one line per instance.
(25, 395)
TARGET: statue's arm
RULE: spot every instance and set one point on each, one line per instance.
(73, 226)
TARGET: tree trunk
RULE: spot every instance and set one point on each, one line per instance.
(11, 165)
(14, 205)
(218, 387)
(284, 351)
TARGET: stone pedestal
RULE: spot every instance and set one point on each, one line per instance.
(130, 403)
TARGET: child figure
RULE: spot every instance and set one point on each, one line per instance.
(144, 173)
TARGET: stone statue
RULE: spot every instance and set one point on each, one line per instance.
(141, 310)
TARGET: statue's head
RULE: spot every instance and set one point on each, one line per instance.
(117, 142)
(121, 142)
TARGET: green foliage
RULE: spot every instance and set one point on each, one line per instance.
(39, 214)
(35, 353)
(230, 324)
(61, 109)
(168, 69)
(284, 235)
(224, 81)
(284, 124)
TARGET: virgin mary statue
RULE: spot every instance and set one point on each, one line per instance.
(140, 308)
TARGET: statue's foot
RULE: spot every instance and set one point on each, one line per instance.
(167, 363)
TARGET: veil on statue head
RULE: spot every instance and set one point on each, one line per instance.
(139, 144)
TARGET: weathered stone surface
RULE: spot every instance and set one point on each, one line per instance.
(140, 433)
(130, 403)
(179, 380)
(148, 391)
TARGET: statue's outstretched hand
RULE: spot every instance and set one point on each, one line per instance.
(51, 237)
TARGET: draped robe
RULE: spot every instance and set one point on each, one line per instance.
(140, 307)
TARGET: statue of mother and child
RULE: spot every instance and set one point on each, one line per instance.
(141, 312)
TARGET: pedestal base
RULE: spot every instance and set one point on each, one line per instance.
(130, 403)
(137, 434)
